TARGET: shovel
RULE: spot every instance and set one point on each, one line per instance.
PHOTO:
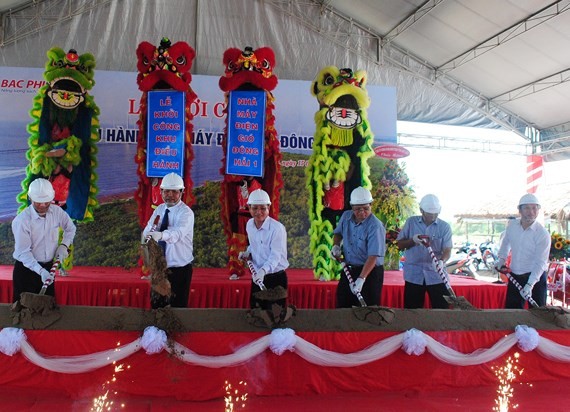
(258, 282)
(348, 275)
(507, 272)
(50, 280)
(457, 301)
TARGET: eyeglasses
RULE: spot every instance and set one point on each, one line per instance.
(361, 208)
(260, 208)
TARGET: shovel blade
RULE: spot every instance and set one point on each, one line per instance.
(459, 302)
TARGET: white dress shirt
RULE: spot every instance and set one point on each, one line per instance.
(179, 235)
(268, 245)
(530, 248)
(37, 238)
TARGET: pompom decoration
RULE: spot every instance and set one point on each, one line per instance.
(11, 340)
(282, 340)
(153, 340)
(527, 337)
(414, 342)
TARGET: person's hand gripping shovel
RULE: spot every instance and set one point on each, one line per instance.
(49, 280)
(505, 270)
(257, 279)
(336, 254)
(457, 301)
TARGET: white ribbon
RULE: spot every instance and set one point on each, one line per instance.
(282, 340)
(153, 340)
(11, 340)
(414, 342)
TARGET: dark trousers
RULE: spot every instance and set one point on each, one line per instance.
(271, 281)
(371, 290)
(516, 301)
(414, 295)
(180, 279)
(26, 280)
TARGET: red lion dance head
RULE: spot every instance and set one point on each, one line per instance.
(163, 67)
(249, 69)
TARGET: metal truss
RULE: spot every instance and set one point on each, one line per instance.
(39, 15)
(345, 32)
(463, 144)
(506, 35)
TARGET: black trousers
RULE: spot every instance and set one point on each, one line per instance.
(271, 281)
(414, 295)
(514, 299)
(371, 290)
(26, 280)
(180, 279)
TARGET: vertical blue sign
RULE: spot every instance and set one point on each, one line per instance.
(246, 133)
(166, 129)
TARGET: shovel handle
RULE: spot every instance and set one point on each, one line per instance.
(505, 271)
(152, 228)
(258, 282)
(435, 261)
(348, 275)
(52, 272)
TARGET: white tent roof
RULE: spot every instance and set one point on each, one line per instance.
(483, 63)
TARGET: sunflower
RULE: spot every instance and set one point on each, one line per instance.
(560, 247)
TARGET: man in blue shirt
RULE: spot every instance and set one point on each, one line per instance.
(363, 239)
(420, 274)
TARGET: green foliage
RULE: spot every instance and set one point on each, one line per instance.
(6, 244)
(210, 249)
(293, 211)
(394, 202)
(113, 239)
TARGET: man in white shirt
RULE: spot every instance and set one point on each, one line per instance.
(36, 234)
(267, 249)
(175, 234)
(529, 243)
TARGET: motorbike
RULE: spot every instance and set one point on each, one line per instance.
(472, 250)
(489, 251)
(462, 264)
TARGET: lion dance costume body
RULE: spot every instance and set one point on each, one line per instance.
(166, 67)
(64, 133)
(342, 145)
(249, 70)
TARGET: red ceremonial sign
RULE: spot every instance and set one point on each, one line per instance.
(391, 151)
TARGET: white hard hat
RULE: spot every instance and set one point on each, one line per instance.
(529, 199)
(360, 196)
(41, 191)
(430, 204)
(172, 181)
(258, 197)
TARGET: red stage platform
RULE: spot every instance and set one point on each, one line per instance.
(211, 288)
(46, 373)
(161, 382)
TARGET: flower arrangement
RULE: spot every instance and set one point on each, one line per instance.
(559, 247)
(393, 203)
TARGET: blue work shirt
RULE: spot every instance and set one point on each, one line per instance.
(360, 240)
(419, 264)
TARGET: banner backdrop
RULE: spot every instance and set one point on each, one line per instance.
(117, 96)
